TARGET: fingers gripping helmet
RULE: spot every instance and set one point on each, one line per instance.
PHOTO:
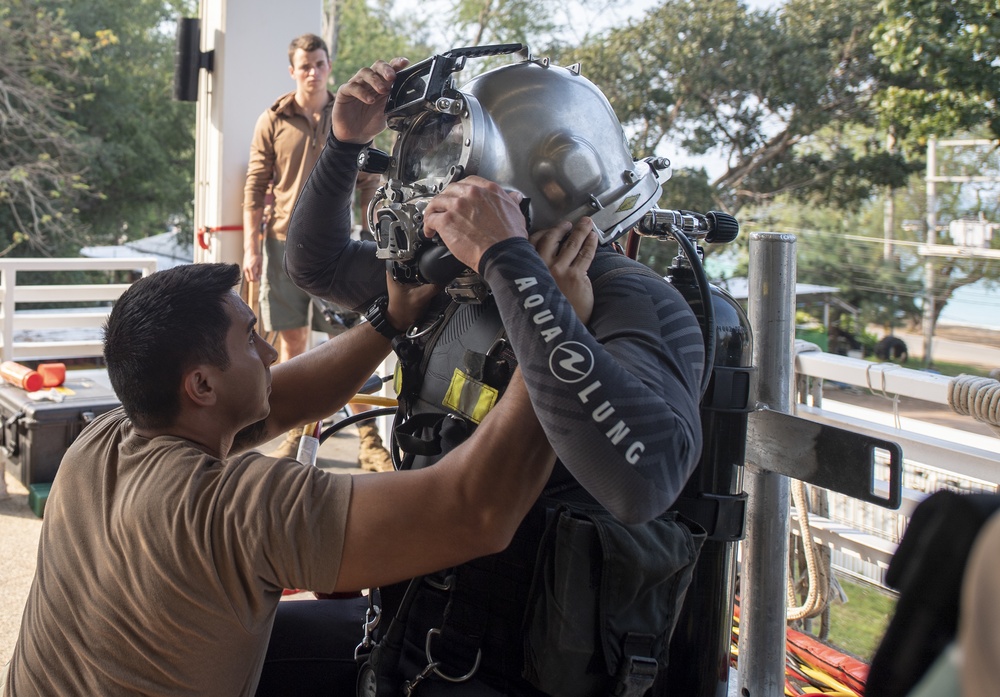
(540, 129)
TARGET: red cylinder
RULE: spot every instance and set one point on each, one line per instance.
(21, 375)
(53, 374)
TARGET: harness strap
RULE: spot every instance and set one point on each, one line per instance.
(409, 438)
(458, 643)
(638, 666)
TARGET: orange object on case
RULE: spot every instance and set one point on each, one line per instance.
(53, 374)
(21, 375)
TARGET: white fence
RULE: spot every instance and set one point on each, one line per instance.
(70, 326)
(862, 537)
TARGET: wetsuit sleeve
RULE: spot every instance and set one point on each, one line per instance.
(619, 402)
(320, 256)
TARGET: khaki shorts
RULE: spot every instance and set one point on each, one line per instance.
(284, 306)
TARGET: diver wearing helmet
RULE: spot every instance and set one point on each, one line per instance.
(521, 148)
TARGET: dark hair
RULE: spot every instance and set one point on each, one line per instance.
(308, 43)
(160, 326)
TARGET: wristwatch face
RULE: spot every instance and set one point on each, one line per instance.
(366, 681)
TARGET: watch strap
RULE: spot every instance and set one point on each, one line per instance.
(378, 316)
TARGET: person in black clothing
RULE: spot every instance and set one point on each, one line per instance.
(617, 393)
(892, 348)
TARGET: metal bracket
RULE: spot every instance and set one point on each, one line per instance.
(823, 455)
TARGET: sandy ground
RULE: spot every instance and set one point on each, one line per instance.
(972, 335)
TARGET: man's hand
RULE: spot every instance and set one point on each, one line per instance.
(359, 107)
(407, 302)
(472, 215)
(253, 263)
(568, 251)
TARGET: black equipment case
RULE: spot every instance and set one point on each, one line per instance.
(36, 433)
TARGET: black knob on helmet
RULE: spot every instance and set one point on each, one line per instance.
(374, 161)
(723, 228)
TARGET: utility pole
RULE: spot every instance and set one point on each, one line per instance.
(889, 207)
(930, 238)
(930, 249)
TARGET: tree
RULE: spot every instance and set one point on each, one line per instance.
(769, 94)
(942, 58)
(480, 22)
(844, 250)
(42, 152)
(139, 141)
(364, 33)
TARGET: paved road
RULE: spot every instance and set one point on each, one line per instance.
(949, 351)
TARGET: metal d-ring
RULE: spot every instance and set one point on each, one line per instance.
(440, 585)
(431, 633)
(413, 333)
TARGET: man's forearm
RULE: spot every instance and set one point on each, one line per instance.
(321, 381)
(252, 220)
(509, 461)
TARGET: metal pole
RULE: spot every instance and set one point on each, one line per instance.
(931, 238)
(889, 207)
(765, 549)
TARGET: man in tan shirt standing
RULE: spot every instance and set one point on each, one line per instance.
(286, 143)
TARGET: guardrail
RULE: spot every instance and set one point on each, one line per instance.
(66, 330)
(863, 537)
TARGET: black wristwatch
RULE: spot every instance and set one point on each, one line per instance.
(377, 316)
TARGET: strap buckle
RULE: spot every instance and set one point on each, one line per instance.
(636, 676)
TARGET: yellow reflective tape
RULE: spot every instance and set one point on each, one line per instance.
(469, 397)
(397, 379)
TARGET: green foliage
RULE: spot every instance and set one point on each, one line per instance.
(140, 142)
(369, 32)
(768, 93)
(942, 57)
(845, 250)
(858, 625)
(42, 152)
(501, 21)
(843, 175)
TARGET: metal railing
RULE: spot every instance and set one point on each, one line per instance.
(863, 537)
(70, 324)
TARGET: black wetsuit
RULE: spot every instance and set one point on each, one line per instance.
(618, 398)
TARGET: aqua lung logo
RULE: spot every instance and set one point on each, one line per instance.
(571, 362)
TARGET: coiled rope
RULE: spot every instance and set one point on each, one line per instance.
(978, 397)
(816, 598)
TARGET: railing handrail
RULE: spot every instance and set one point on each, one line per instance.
(145, 264)
(11, 295)
(966, 456)
(880, 378)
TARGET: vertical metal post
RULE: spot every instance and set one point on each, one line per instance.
(765, 549)
(8, 282)
(931, 239)
(889, 206)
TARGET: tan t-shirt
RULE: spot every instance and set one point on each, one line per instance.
(160, 567)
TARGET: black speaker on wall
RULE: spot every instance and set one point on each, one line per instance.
(189, 59)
